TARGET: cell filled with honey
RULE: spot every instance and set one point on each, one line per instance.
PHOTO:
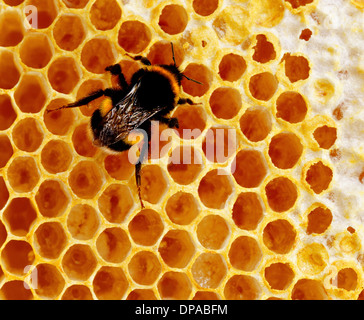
(144, 268)
(291, 107)
(176, 248)
(279, 275)
(50, 239)
(28, 134)
(281, 194)
(4, 193)
(110, 283)
(69, 31)
(77, 292)
(13, 29)
(7, 112)
(82, 141)
(242, 287)
(279, 236)
(16, 256)
(83, 222)
(105, 14)
(113, 245)
(232, 67)
(173, 19)
(134, 36)
(198, 72)
(245, 253)
(15, 290)
(153, 183)
(225, 102)
(213, 232)
(256, 123)
(23, 174)
(319, 176)
(50, 282)
(182, 208)
(346, 279)
(6, 150)
(20, 215)
(263, 86)
(56, 156)
(308, 289)
(9, 68)
(146, 227)
(141, 294)
(264, 50)
(174, 285)
(59, 122)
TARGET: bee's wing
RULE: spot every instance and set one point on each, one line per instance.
(126, 116)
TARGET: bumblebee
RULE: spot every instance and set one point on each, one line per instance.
(152, 94)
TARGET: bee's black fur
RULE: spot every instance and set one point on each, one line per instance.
(151, 95)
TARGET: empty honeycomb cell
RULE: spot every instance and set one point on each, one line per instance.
(296, 67)
(346, 279)
(191, 118)
(113, 245)
(12, 29)
(279, 236)
(285, 149)
(319, 176)
(161, 53)
(146, 227)
(69, 32)
(249, 168)
(281, 193)
(50, 282)
(312, 259)
(105, 14)
(209, 270)
(306, 34)
(232, 67)
(263, 86)
(325, 136)
(256, 123)
(110, 283)
(50, 239)
(63, 74)
(279, 275)
(16, 255)
(20, 215)
(205, 8)
(141, 294)
(173, 19)
(174, 286)
(134, 36)
(118, 166)
(36, 50)
(212, 232)
(264, 50)
(31, 93)
(144, 268)
(245, 253)
(242, 287)
(9, 68)
(85, 179)
(215, 189)
(52, 198)
(176, 248)
(23, 174)
(76, 4)
(153, 183)
(4, 193)
(82, 222)
(291, 107)
(28, 134)
(206, 295)
(219, 144)
(59, 122)
(115, 203)
(15, 290)
(247, 211)
(56, 156)
(3, 234)
(97, 54)
(182, 208)
(308, 289)
(225, 102)
(6, 150)
(185, 164)
(77, 292)
(298, 3)
(82, 141)
(79, 262)
(231, 24)
(200, 73)
(7, 112)
(319, 219)
(86, 88)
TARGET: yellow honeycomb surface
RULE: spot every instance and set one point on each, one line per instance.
(283, 221)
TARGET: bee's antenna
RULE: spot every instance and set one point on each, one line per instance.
(174, 60)
(191, 79)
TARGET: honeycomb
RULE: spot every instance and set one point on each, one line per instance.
(274, 212)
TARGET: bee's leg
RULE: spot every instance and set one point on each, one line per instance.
(142, 157)
(138, 179)
(86, 100)
(115, 70)
(170, 122)
(142, 59)
(186, 100)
